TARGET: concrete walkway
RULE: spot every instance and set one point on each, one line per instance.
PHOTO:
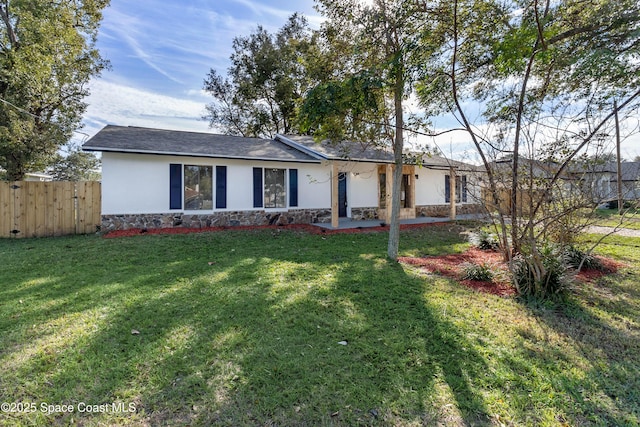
(627, 232)
(348, 223)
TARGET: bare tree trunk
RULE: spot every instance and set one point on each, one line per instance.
(618, 161)
(398, 145)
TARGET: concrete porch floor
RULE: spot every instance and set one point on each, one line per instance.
(348, 223)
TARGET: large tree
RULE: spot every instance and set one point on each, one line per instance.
(363, 98)
(264, 83)
(47, 56)
(549, 77)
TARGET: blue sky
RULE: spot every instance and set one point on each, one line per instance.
(161, 51)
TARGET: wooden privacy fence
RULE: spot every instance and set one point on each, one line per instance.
(42, 209)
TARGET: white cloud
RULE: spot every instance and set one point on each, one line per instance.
(117, 104)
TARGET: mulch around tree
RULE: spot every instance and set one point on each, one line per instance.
(452, 266)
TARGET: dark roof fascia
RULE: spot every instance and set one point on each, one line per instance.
(210, 156)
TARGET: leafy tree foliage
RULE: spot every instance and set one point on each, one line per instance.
(76, 165)
(265, 82)
(549, 77)
(47, 56)
(364, 98)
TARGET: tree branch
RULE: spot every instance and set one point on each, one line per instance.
(4, 14)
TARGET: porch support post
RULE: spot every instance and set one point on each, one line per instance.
(452, 194)
(334, 195)
(389, 191)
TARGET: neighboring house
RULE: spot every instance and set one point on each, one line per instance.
(42, 177)
(601, 180)
(153, 178)
(589, 183)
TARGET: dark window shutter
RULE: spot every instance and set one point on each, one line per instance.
(221, 187)
(293, 187)
(175, 186)
(464, 188)
(257, 187)
(447, 189)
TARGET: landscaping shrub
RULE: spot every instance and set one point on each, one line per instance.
(574, 257)
(482, 239)
(481, 272)
(544, 277)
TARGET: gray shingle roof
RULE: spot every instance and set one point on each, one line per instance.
(366, 153)
(130, 139)
(170, 142)
(341, 150)
(630, 170)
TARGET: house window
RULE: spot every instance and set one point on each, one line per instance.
(198, 187)
(274, 188)
(270, 188)
(461, 189)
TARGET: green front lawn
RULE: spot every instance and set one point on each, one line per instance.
(612, 218)
(248, 328)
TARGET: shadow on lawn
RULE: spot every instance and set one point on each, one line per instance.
(240, 342)
(235, 343)
(601, 325)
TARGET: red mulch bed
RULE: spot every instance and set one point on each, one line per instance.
(311, 229)
(451, 266)
(609, 267)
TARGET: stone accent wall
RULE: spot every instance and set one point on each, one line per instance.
(443, 210)
(364, 214)
(253, 218)
(216, 219)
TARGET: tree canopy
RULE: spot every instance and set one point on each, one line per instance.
(47, 56)
(548, 78)
(265, 82)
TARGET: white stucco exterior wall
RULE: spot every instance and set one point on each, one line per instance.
(430, 187)
(139, 183)
(362, 184)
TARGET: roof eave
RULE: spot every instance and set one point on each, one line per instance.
(210, 156)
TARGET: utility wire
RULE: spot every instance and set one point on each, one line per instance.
(22, 110)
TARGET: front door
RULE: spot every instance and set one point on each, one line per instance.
(342, 194)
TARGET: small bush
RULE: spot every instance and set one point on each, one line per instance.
(574, 257)
(544, 278)
(481, 272)
(482, 239)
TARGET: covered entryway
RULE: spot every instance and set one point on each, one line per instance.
(407, 195)
(342, 195)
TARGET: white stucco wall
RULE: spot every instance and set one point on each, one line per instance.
(430, 186)
(138, 184)
(362, 185)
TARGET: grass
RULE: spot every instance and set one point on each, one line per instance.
(611, 218)
(245, 328)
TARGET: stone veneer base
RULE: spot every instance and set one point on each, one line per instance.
(257, 218)
(216, 219)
